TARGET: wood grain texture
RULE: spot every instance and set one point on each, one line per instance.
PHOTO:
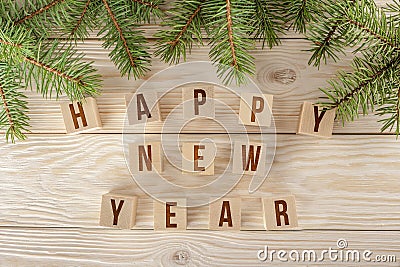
(291, 81)
(347, 182)
(88, 247)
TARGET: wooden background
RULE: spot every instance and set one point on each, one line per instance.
(346, 187)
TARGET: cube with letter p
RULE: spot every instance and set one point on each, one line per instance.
(255, 109)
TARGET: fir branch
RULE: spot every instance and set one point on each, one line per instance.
(365, 88)
(121, 34)
(185, 21)
(14, 107)
(174, 42)
(228, 21)
(39, 11)
(230, 34)
(81, 18)
(129, 53)
(144, 11)
(149, 4)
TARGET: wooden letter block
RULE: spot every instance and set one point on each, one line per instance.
(145, 157)
(225, 214)
(198, 101)
(255, 109)
(249, 158)
(280, 213)
(143, 108)
(118, 211)
(316, 122)
(198, 158)
(171, 215)
(81, 116)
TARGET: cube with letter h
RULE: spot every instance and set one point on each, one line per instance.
(81, 116)
(145, 158)
(143, 108)
(255, 109)
(280, 212)
(118, 211)
(198, 101)
(316, 121)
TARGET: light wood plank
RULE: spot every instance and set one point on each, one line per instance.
(347, 182)
(282, 72)
(86, 247)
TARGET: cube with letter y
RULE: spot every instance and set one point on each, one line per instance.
(81, 116)
(316, 121)
(255, 109)
(118, 211)
(280, 212)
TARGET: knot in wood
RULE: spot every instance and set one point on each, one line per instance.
(181, 257)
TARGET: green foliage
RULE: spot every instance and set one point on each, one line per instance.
(13, 116)
(374, 37)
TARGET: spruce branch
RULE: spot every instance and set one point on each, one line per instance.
(230, 43)
(129, 53)
(300, 12)
(268, 22)
(363, 89)
(185, 22)
(13, 115)
(144, 12)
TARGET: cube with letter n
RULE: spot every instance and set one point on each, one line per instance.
(145, 158)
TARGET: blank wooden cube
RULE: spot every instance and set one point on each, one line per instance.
(171, 215)
(118, 211)
(316, 121)
(225, 214)
(198, 101)
(198, 158)
(255, 109)
(249, 158)
(80, 116)
(280, 213)
(145, 157)
(143, 108)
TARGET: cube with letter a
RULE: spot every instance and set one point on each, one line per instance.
(81, 116)
(255, 109)
(225, 214)
(143, 107)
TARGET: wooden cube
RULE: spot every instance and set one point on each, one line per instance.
(145, 157)
(225, 214)
(198, 101)
(316, 121)
(249, 158)
(143, 108)
(280, 213)
(171, 215)
(80, 116)
(198, 158)
(118, 211)
(255, 109)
